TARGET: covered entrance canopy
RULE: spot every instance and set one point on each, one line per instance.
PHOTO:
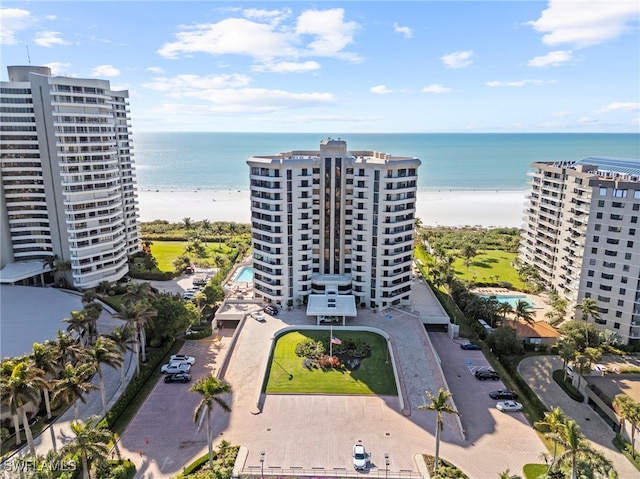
(331, 308)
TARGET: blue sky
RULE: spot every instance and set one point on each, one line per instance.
(354, 66)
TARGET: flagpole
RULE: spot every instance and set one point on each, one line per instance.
(331, 339)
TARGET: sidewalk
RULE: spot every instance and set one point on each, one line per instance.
(537, 373)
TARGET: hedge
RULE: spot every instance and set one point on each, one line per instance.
(625, 448)
(570, 389)
(203, 333)
(152, 275)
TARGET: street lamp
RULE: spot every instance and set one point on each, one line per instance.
(386, 463)
(262, 464)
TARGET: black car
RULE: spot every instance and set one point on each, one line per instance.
(470, 346)
(177, 378)
(503, 394)
(485, 374)
(272, 310)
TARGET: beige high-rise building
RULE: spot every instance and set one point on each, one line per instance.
(583, 236)
(67, 179)
(333, 221)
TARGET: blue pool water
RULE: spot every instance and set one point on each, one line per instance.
(512, 300)
(245, 275)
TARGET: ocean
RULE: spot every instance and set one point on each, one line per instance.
(450, 161)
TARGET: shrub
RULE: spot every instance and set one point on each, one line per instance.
(570, 389)
(198, 334)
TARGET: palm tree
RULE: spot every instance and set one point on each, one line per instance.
(138, 316)
(66, 348)
(468, 252)
(504, 309)
(573, 442)
(523, 311)
(19, 389)
(187, 223)
(78, 322)
(91, 442)
(507, 475)
(92, 312)
(440, 405)
(210, 387)
(44, 358)
(123, 337)
(553, 421)
(105, 351)
(567, 352)
(589, 307)
(73, 384)
(628, 410)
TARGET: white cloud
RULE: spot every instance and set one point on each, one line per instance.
(156, 70)
(586, 120)
(264, 39)
(406, 32)
(562, 114)
(58, 68)
(518, 83)
(274, 16)
(13, 20)
(179, 85)
(381, 90)
(457, 59)
(436, 88)
(105, 71)
(585, 23)
(287, 67)
(48, 39)
(619, 106)
(551, 59)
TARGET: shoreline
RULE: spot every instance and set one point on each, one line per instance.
(434, 207)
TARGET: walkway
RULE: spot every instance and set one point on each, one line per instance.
(537, 372)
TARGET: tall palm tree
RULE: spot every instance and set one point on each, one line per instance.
(554, 422)
(44, 358)
(104, 351)
(74, 384)
(524, 311)
(92, 313)
(19, 389)
(210, 387)
(78, 323)
(139, 317)
(589, 308)
(573, 442)
(440, 405)
(124, 339)
(66, 348)
(628, 410)
(504, 309)
(567, 352)
(91, 442)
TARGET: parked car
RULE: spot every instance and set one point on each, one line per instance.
(360, 457)
(509, 406)
(503, 394)
(257, 315)
(470, 346)
(181, 358)
(170, 368)
(484, 374)
(177, 378)
(272, 310)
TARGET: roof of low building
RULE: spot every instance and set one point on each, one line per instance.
(539, 329)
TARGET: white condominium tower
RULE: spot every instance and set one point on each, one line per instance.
(333, 221)
(67, 178)
(583, 235)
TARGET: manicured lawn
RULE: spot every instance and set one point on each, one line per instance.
(166, 251)
(485, 267)
(287, 373)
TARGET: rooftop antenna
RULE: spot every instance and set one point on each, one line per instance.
(28, 56)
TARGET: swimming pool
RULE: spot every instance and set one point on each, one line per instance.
(512, 300)
(245, 275)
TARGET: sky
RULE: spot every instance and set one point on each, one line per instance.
(352, 66)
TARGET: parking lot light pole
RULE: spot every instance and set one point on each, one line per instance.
(262, 464)
(386, 463)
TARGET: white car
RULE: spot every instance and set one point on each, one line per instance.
(171, 368)
(257, 315)
(181, 358)
(360, 457)
(509, 406)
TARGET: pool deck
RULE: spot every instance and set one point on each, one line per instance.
(542, 303)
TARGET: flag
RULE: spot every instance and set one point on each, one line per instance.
(335, 340)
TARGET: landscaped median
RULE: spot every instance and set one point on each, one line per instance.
(363, 364)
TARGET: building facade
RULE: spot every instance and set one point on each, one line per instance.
(583, 236)
(333, 221)
(68, 185)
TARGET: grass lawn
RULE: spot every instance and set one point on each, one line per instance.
(374, 376)
(485, 267)
(166, 251)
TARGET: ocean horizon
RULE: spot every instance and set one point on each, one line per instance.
(185, 161)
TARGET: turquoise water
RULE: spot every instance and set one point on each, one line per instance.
(245, 275)
(458, 161)
(512, 300)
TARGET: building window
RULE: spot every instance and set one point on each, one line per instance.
(636, 194)
(592, 262)
(597, 227)
(599, 216)
(617, 204)
(590, 273)
(594, 250)
(634, 219)
(622, 291)
(606, 276)
(616, 325)
(603, 192)
(619, 193)
(589, 284)
(624, 280)
(632, 231)
(596, 239)
(627, 256)
(636, 207)
(629, 244)
(618, 314)
(600, 203)
(625, 267)
(620, 302)
(615, 217)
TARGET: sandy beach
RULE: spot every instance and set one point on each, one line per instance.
(434, 208)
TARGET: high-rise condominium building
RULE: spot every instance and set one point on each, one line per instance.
(67, 178)
(583, 236)
(333, 221)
